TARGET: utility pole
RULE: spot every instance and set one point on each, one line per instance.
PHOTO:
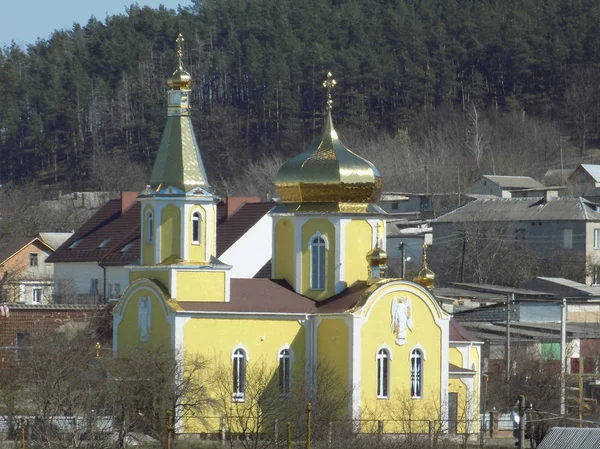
(509, 300)
(403, 249)
(521, 428)
(563, 356)
(462, 257)
(581, 374)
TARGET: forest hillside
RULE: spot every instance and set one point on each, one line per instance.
(434, 92)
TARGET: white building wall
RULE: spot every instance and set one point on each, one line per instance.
(252, 251)
(118, 278)
(78, 277)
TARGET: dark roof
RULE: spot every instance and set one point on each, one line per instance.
(104, 235)
(121, 232)
(453, 369)
(11, 246)
(459, 333)
(515, 182)
(256, 296)
(265, 271)
(235, 226)
(344, 300)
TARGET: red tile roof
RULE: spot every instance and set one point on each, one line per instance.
(453, 369)
(117, 226)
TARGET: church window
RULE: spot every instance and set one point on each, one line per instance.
(285, 372)
(196, 228)
(149, 226)
(239, 375)
(317, 263)
(416, 374)
(383, 373)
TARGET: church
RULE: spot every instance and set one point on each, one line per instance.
(328, 304)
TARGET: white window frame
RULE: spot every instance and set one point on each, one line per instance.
(416, 373)
(36, 295)
(149, 227)
(383, 358)
(285, 360)
(239, 358)
(196, 228)
(596, 238)
(318, 271)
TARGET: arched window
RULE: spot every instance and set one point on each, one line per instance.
(285, 371)
(317, 263)
(239, 375)
(149, 226)
(196, 228)
(416, 374)
(383, 373)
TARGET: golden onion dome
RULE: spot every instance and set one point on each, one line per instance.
(377, 256)
(426, 277)
(329, 173)
(180, 79)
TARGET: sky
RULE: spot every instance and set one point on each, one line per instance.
(24, 21)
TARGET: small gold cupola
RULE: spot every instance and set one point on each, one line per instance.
(178, 167)
(426, 277)
(377, 259)
(329, 177)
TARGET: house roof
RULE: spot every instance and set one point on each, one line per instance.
(112, 236)
(571, 438)
(557, 177)
(10, 246)
(561, 286)
(454, 369)
(593, 170)
(54, 239)
(515, 182)
(459, 334)
(522, 209)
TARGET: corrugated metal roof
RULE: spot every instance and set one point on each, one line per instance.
(522, 209)
(515, 182)
(571, 438)
(54, 239)
(557, 176)
(593, 170)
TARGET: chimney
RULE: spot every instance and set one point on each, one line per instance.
(506, 194)
(127, 199)
(550, 195)
(234, 203)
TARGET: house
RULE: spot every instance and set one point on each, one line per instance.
(547, 226)
(90, 265)
(327, 310)
(585, 181)
(26, 274)
(507, 187)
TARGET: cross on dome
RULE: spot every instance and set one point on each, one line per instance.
(180, 40)
(328, 84)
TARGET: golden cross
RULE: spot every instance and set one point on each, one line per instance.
(424, 253)
(179, 41)
(328, 84)
(98, 349)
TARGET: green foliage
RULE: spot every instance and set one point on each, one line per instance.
(257, 66)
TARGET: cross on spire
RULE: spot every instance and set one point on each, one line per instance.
(179, 41)
(328, 84)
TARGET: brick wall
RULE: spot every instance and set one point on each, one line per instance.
(24, 321)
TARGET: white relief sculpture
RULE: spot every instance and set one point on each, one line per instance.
(144, 317)
(401, 318)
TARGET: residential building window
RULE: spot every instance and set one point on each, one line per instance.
(596, 275)
(196, 228)
(94, 286)
(22, 339)
(36, 295)
(568, 238)
(317, 263)
(383, 373)
(149, 227)
(114, 290)
(104, 243)
(394, 206)
(33, 259)
(596, 238)
(285, 371)
(416, 374)
(519, 238)
(239, 375)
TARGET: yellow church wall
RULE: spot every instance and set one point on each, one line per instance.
(332, 350)
(148, 247)
(197, 251)
(455, 357)
(284, 250)
(160, 276)
(170, 232)
(401, 412)
(129, 334)
(326, 228)
(464, 423)
(215, 339)
(200, 286)
(359, 241)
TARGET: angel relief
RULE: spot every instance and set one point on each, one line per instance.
(401, 318)
(144, 317)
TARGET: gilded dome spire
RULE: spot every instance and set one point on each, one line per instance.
(426, 277)
(329, 177)
(178, 163)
